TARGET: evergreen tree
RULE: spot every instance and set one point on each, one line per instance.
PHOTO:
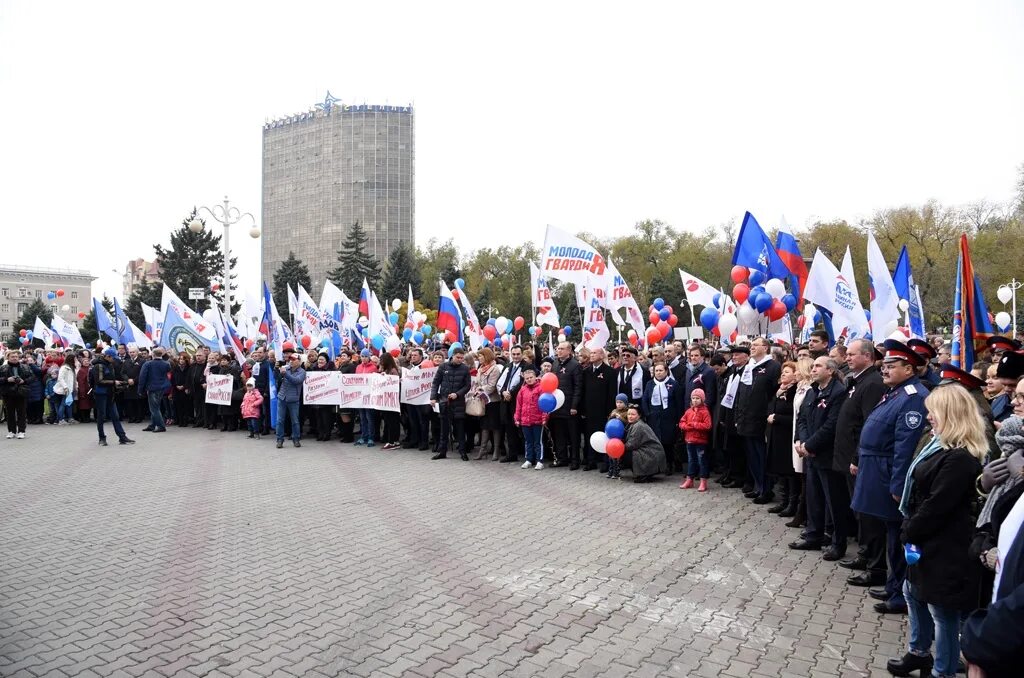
(355, 264)
(292, 272)
(194, 260)
(401, 272)
(146, 293)
(27, 320)
(88, 327)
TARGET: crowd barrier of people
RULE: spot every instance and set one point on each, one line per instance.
(888, 446)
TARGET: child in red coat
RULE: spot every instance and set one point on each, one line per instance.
(530, 419)
(696, 428)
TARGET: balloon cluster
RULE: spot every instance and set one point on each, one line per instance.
(609, 441)
(757, 295)
(25, 337)
(662, 318)
(551, 397)
(55, 294)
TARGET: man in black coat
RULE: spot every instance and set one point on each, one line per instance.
(727, 442)
(508, 388)
(631, 379)
(815, 441)
(598, 401)
(864, 390)
(565, 421)
(448, 391)
(757, 386)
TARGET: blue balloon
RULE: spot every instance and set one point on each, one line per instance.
(88, 345)
(613, 429)
(393, 317)
(492, 322)
(567, 330)
(29, 334)
(664, 314)
(659, 304)
(709, 318)
(531, 331)
(717, 299)
(546, 402)
(497, 342)
(485, 343)
(457, 344)
(407, 334)
(427, 330)
(790, 301)
(51, 295)
(757, 277)
(759, 289)
(365, 331)
(326, 343)
(378, 342)
(417, 337)
(763, 302)
(460, 283)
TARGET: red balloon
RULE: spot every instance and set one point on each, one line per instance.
(615, 448)
(654, 317)
(739, 274)
(777, 310)
(664, 328)
(732, 337)
(248, 344)
(673, 320)
(60, 293)
(449, 336)
(306, 341)
(455, 293)
(715, 331)
(518, 323)
(549, 382)
(740, 292)
(215, 286)
(801, 321)
(490, 332)
(81, 315)
(538, 331)
(23, 332)
(634, 339)
(653, 336)
(395, 352)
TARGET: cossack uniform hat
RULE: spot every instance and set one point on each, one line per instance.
(897, 350)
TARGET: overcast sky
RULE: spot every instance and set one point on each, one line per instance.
(116, 118)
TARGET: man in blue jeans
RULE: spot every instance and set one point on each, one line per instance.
(106, 377)
(153, 383)
(288, 396)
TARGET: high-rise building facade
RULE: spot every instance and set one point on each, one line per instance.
(137, 272)
(22, 285)
(328, 168)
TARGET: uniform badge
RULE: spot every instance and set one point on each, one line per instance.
(913, 419)
(910, 389)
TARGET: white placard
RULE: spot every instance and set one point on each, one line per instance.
(416, 383)
(196, 293)
(322, 388)
(218, 389)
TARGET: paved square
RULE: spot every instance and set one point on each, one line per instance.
(198, 553)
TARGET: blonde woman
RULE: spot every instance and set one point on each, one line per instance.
(797, 510)
(936, 503)
(485, 386)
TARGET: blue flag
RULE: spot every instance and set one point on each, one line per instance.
(273, 399)
(121, 325)
(104, 323)
(181, 335)
(755, 251)
(903, 279)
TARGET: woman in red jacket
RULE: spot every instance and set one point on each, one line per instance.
(696, 428)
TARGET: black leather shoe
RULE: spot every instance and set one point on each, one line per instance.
(126, 441)
(858, 563)
(866, 579)
(574, 466)
(102, 442)
(886, 608)
(750, 494)
(833, 553)
(909, 663)
(440, 455)
(804, 545)
(764, 499)
(796, 522)
(778, 508)
(149, 428)
(879, 594)
(464, 456)
(788, 512)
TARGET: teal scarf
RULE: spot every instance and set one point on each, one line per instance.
(933, 446)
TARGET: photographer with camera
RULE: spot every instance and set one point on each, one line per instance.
(14, 380)
(106, 377)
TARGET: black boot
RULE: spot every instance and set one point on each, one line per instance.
(784, 499)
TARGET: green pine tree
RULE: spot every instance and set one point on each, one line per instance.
(27, 320)
(88, 327)
(292, 272)
(194, 260)
(146, 293)
(355, 264)
(401, 272)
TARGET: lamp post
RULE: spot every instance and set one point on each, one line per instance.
(228, 216)
(1012, 288)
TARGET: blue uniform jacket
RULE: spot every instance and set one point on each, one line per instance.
(887, 445)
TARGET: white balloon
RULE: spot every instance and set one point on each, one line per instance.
(559, 397)
(363, 321)
(65, 308)
(501, 324)
(1003, 320)
(392, 342)
(727, 325)
(396, 304)
(904, 305)
(561, 338)
(1005, 294)
(746, 314)
(890, 327)
(599, 441)
(776, 288)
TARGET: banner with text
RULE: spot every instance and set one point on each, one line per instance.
(416, 383)
(218, 389)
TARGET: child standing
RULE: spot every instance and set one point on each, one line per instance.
(252, 403)
(621, 407)
(696, 428)
(52, 398)
(530, 419)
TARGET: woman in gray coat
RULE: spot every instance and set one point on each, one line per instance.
(646, 448)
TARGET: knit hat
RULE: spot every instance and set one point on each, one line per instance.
(110, 352)
(698, 393)
(250, 382)
(1010, 436)
(623, 398)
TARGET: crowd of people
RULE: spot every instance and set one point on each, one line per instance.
(919, 462)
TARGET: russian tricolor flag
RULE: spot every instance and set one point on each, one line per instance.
(448, 316)
(364, 300)
(788, 250)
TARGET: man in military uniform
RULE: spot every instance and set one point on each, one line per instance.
(887, 444)
(929, 377)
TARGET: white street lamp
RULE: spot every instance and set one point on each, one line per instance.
(1008, 292)
(227, 216)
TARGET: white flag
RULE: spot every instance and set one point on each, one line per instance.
(41, 332)
(619, 297)
(566, 257)
(308, 316)
(885, 311)
(595, 329)
(857, 326)
(409, 309)
(543, 305)
(698, 292)
(68, 332)
(293, 302)
(473, 329)
(832, 290)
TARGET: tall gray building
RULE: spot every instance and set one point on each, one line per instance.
(325, 169)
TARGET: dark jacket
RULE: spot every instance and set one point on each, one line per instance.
(35, 384)
(153, 377)
(862, 395)
(451, 378)
(9, 388)
(722, 416)
(751, 407)
(196, 379)
(941, 525)
(289, 384)
(570, 381)
(598, 395)
(263, 377)
(702, 377)
(664, 420)
(105, 375)
(780, 433)
(816, 423)
(132, 369)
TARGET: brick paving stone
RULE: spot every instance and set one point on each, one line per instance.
(205, 554)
